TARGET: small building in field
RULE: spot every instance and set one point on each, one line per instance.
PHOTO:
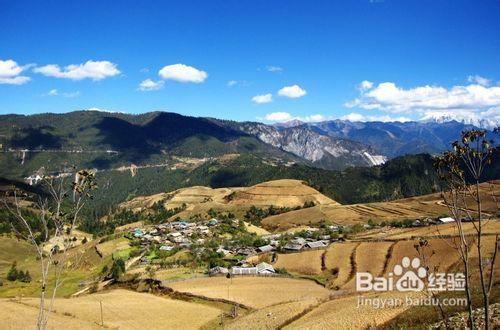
(293, 247)
(298, 240)
(264, 268)
(244, 271)
(446, 220)
(264, 249)
(316, 245)
(218, 270)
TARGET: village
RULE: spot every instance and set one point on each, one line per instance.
(196, 236)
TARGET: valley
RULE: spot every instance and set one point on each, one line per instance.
(309, 287)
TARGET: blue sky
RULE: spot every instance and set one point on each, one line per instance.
(418, 59)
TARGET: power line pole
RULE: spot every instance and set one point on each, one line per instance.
(102, 319)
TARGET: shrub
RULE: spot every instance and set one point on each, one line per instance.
(117, 269)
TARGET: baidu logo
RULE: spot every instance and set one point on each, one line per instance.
(410, 276)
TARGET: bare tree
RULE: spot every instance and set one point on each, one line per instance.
(57, 213)
(461, 171)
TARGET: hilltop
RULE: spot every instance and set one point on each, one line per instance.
(285, 193)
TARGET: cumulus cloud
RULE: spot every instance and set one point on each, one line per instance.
(95, 70)
(353, 116)
(10, 73)
(469, 101)
(150, 85)
(263, 98)
(182, 73)
(278, 116)
(294, 91)
(479, 80)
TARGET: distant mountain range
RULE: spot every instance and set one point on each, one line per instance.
(104, 140)
(391, 139)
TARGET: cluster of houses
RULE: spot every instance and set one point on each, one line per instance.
(174, 234)
(183, 234)
(261, 269)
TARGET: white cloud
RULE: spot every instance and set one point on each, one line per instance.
(353, 116)
(182, 73)
(479, 80)
(312, 118)
(293, 91)
(232, 83)
(278, 116)
(273, 68)
(10, 73)
(95, 70)
(150, 85)
(472, 100)
(285, 116)
(261, 99)
(55, 92)
(365, 85)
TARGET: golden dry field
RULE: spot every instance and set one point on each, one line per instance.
(255, 292)
(440, 254)
(449, 229)
(338, 263)
(198, 199)
(272, 317)
(307, 262)
(122, 309)
(370, 257)
(343, 313)
(410, 208)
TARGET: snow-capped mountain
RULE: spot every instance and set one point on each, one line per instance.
(394, 139)
(322, 150)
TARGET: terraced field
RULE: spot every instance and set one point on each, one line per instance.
(122, 309)
(339, 261)
(307, 262)
(255, 292)
(410, 208)
(344, 313)
(198, 199)
(370, 257)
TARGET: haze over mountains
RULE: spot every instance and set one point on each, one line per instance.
(116, 139)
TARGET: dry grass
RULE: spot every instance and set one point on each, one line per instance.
(410, 208)
(343, 313)
(307, 262)
(440, 254)
(272, 317)
(370, 257)
(14, 315)
(198, 199)
(353, 214)
(450, 229)
(256, 292)
(121, 309)
(255, 229)
(338, 259)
